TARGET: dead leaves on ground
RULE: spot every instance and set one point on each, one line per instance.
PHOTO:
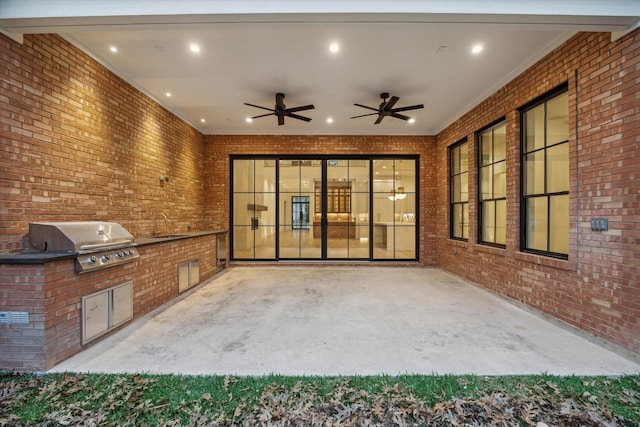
(72, 400)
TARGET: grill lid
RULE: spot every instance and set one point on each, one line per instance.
(75, 236)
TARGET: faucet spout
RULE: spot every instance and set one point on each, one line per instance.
(155, 224)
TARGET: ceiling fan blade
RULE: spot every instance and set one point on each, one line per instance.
(280, 119)
(263, 115)
(400, 116)
(303, 108)
(364, 115)
(389, 105)
(379, 119)
(257, 106)
(412, 107)
(364, 106)
(296, 116)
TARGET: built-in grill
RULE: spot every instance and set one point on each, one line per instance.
(96, 244)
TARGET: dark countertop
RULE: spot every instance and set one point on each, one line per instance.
(45, 257)
(143, 241)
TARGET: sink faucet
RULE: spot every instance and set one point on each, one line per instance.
(155, 224)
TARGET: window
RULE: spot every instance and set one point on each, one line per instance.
(545, 173)
(459, 183)
(492, 194)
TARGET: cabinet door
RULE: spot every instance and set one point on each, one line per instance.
(183, 276)
(122, 304)
(95, 315)
(194, 272)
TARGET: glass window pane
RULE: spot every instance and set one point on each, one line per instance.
(243, 244)
(465, 220)
(534, 173)
(501, 222)
(464, 157)
(559, 224)
(486, 156)
(265, 237)
(534, 128)
(243, 176)
(488, 222)
(457, 220)
(537, 223)
(500, 179)
(558, 168)
(499, 143)
(455, 160)
(486, 183)
(558, 119)
(456, 197)
(464, 187)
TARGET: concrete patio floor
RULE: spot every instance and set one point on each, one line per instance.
(344, 321)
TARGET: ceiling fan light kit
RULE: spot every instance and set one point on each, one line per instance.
(385, 109)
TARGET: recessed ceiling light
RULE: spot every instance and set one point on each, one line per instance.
(113, 49)
(329, 120)
(248, 120)
(194, 48)
(334, 47)
(168, 94)
(476, 49)
(412, 120)
(202, 121)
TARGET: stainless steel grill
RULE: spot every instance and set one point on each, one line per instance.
(96, 244)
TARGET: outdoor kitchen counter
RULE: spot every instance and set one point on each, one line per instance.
(44, 257)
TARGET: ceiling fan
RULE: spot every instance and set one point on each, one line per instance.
(386, 109)
(281, 110)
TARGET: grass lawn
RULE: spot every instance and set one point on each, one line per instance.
(173, 400)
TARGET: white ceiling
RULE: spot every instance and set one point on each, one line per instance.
(420, 57)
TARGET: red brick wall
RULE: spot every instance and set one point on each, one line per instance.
(79, 143)
(52, 295)
(218, 148)
(598, 288)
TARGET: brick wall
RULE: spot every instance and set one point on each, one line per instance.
(218, 148)
(79, 143)
(52, 294)
(598, 288)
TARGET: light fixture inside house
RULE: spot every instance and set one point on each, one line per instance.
(334, 47)
(329, 120)
(113, 49)
(397, 194)
(476, 49)
(248, 120)
(168, 94)
(412, 120)
(202, 120)
(194, 48)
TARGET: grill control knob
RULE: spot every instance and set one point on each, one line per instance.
(118, 254)
(91, 260)
(105, 257)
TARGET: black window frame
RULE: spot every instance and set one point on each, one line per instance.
(452, 202)
(491, 127)
(544, 99)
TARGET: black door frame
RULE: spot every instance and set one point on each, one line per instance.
(324, 189)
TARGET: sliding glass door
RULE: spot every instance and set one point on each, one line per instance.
(324, 208)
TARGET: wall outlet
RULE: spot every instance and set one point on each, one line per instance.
(600, 224)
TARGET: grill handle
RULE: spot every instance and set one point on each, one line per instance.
(126, 242)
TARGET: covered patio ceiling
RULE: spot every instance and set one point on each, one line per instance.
(247, 51)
